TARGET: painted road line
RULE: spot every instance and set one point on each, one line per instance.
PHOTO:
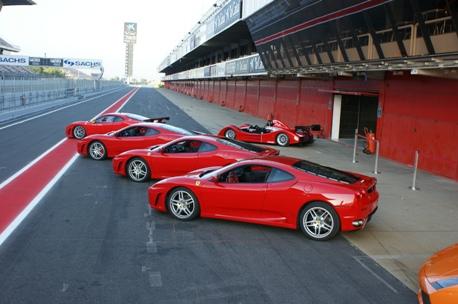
(20, 193)
(58, 109)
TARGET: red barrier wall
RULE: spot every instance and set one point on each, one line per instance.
(252, 97)
(418, 113)
(240, 94)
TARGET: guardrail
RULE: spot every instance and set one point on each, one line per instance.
(15, 93)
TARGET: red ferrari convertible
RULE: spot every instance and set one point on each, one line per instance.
(276, 191)
(106, 123)
(274, 132)
(184, 155)
(137, 136)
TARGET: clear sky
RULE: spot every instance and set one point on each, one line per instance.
(94, 29)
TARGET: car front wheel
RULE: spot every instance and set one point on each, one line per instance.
(319, 221)
(97, 150)
(229, 134)
(183, 204)
(138, 170)
(79, 132)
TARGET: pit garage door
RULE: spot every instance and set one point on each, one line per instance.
(352, 112)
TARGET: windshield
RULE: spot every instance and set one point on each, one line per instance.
(326, 172)
(136, 117)
(176, 129)
(240, 145)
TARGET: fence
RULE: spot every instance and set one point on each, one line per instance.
(20, 92)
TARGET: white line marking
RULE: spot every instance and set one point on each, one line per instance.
(155, 279)
(18, 220)
(33, 162)
(56, 110)
(358, 259)
(25, 212)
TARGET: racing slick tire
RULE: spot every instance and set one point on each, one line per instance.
(282, 140)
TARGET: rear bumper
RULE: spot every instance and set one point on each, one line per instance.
(351, 220)
(306, 139)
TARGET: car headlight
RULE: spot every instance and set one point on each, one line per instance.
(296, 137)
(445, 283)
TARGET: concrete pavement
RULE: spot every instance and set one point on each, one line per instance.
(409, 225)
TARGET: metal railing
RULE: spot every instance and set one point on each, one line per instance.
(20, 92)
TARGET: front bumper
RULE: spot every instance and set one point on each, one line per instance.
(81, 148)
(156, 198)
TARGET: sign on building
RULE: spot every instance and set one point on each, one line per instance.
(76, 63)
(130, 32)
(51, 62)
(14, 60)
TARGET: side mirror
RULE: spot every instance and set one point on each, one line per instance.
(92, 121)
(213, 179)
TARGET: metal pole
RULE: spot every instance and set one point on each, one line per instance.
(414, 181)
(355, 147)
(377, 151)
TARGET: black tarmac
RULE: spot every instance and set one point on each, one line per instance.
(93, 239)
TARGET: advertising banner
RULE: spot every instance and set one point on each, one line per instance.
(230, 13)
(14, 60)
(51, 62)
(130, 32)
(82, 63)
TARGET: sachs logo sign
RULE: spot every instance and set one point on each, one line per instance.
(14, 60)
(82, 63)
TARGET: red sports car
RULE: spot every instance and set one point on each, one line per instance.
(277, 191)
(106, 123)
(274, 132)
(137, 136)
(184, 155)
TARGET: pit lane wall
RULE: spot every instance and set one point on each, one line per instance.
(416, 112)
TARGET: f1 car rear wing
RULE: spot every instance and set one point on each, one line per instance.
(158, 119)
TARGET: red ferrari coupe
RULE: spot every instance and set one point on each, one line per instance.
(277, 191)
(184, 155)
(106, 123)
(274, 132)
(137, 136)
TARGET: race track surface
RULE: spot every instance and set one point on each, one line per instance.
(92, 239)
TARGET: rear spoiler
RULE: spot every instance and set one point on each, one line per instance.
(158, 119)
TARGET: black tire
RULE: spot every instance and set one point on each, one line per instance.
(97, 150)
(230, 133)
(177, 204)
(79, 132)
(137, 170)
(326, 220)
(282, 140)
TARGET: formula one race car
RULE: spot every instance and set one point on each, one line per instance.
(106, 123)
(274, 132)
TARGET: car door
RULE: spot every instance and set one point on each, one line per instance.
(178, 158)
(208, 156)
(282, 200)
(129, 139)
(106, 123)
(235, 195)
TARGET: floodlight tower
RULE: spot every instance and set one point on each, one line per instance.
(130, 38)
